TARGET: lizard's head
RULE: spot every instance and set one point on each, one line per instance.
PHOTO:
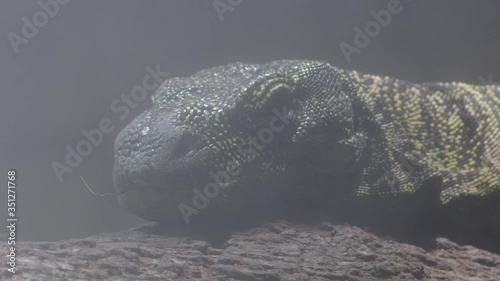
(209, 134)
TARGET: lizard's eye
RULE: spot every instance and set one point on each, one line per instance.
(184, 146)
(273, 95)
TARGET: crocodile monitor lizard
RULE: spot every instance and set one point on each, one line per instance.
(216, 137)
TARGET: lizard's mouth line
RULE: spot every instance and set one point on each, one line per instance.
(161, 180)
(138, 188)
(150, 202)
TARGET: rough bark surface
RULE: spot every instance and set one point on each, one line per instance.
(273, 251)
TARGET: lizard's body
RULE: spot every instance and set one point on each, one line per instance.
(392, 135)
(450, 129)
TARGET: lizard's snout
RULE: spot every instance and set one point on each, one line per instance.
(151, 154)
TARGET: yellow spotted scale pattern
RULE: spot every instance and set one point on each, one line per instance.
(449, 130)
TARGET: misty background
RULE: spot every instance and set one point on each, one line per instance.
(65, 78)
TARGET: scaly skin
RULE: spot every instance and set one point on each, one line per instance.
(222, 133)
